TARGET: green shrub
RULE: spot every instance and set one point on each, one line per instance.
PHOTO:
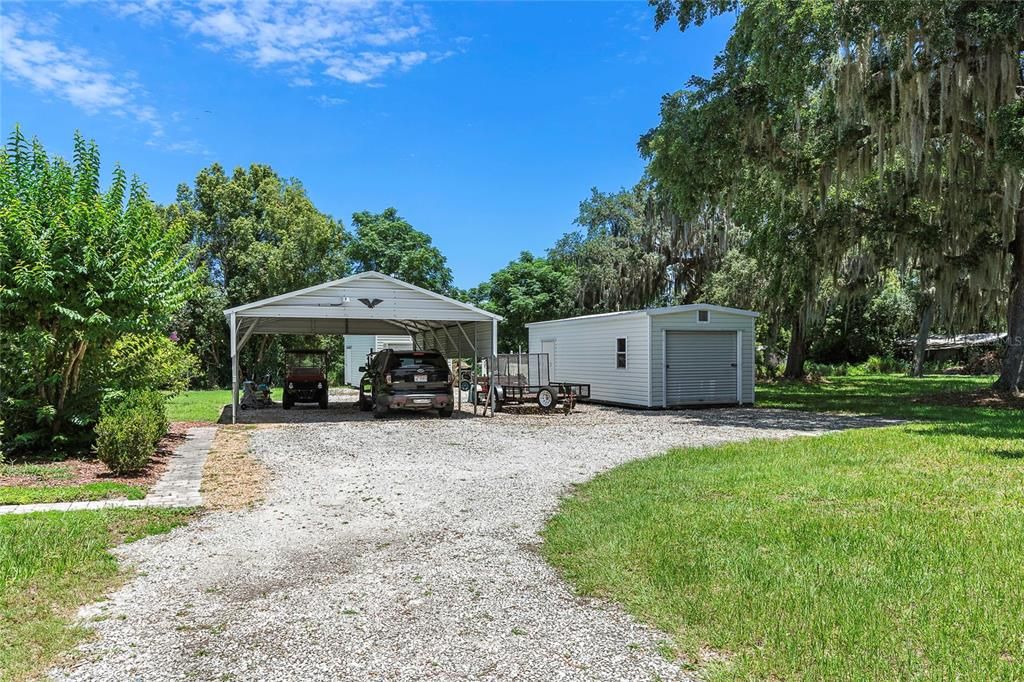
(154, 405)
(124, 441)
(128, 430)
(87, 277)
(884, 365)
(155, 360)
(826, 370)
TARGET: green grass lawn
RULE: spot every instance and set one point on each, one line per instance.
(70, 493)
(198, 406)
(891, 395)
(204, 406)
(41, 472)
(872, 554)
(51, 564)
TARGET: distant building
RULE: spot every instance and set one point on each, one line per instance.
(357, 347)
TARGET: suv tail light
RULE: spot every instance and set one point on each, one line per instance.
(387, 378)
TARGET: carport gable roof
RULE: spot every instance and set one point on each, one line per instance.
(365, 296)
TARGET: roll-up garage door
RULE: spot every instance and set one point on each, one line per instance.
(700, 367)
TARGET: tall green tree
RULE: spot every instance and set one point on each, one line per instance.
(80, 270)
(257, 235)
(911, 104)
(632, 251)
(387, 243)
(529, 289)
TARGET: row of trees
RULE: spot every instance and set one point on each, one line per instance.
(104, 293)
(845, 142)
(254, 234)
(853, 170)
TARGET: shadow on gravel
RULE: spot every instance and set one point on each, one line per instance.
(343, 411)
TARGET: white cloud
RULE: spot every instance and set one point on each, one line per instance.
(328, 101)
(190, 147)
(69, 73)
(356, 42)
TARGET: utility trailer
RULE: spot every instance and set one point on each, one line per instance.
(520, 378)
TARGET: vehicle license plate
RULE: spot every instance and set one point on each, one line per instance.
(420, 378)
(421, 401)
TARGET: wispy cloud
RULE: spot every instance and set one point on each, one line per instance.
(28, 55)
(328, 101)
(355, 42)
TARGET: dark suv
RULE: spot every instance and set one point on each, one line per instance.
(406, 379)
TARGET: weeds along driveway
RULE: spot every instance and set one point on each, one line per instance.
(401, 549)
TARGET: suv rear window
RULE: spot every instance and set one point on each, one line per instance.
(413, 360)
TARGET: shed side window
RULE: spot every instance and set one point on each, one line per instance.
(620, 353)
(703, 315)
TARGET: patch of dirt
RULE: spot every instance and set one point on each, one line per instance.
(986, 397)
(82, 470)
(233, 478)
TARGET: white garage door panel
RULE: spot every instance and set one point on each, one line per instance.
(700, 367)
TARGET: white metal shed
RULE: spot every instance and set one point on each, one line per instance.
(358, 346)
(369, 303)
(694, 354)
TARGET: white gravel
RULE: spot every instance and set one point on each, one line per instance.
(402, 549)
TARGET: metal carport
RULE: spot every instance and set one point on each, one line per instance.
(366, 303)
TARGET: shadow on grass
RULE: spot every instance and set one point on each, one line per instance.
(759, 418)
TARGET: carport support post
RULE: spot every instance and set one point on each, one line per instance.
(494, 370)
(234, 369)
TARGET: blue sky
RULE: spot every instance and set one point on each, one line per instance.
(485, 125)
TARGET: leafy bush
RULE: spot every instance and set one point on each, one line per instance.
(825, 370)
(884, 365)
(858, 327)
(80, 268)
(128, 430)
(144, 361)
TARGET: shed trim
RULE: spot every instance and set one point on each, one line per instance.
(653, 311)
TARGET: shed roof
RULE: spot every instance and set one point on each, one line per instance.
(654, 311)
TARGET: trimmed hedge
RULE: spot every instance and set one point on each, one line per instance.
(129, 429)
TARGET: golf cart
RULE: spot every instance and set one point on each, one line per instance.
(305, 377)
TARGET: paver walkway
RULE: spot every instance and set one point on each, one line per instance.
(178, 487)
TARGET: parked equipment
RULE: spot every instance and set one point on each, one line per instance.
(306, 378)
(524, 378)
(256, 395)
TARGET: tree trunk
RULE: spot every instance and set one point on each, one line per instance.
(1011, 378)
(797, 350)
(921, 347)
(771, 358)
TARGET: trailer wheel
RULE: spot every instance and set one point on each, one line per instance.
(286, 401)
(324, 399)
(546, 398)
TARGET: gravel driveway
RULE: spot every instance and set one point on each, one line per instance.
(402, 549)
